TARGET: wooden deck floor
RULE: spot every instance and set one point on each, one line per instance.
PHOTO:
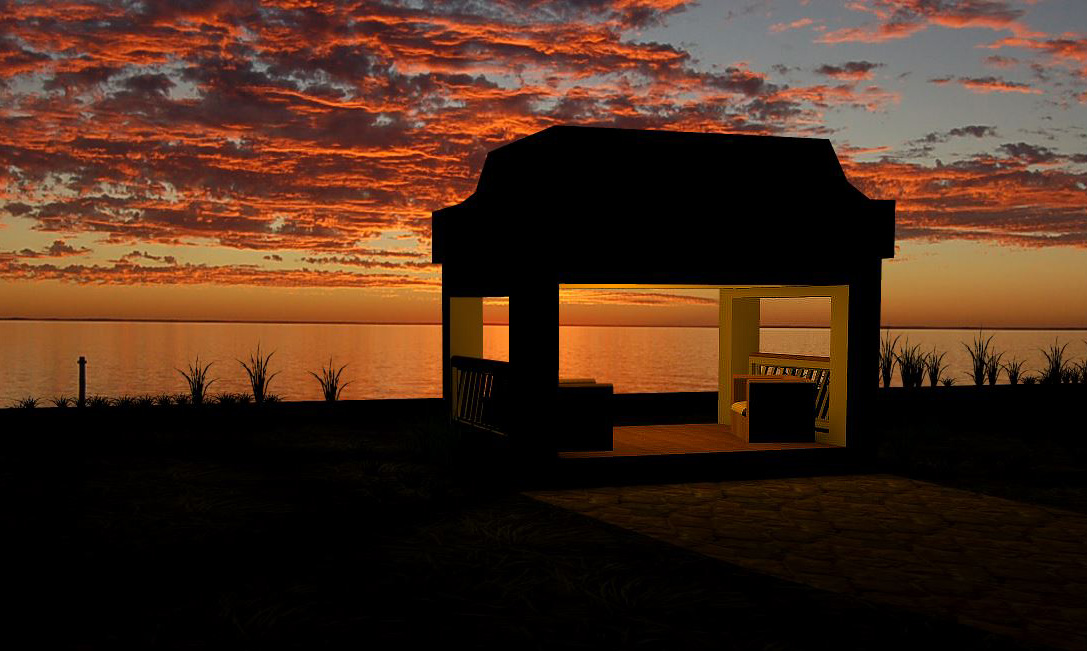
(653, 440)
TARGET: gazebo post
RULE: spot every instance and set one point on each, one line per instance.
(534, 361)
(864, 318)
(738, 330)
(841, 365)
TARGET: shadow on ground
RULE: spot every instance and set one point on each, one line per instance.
(310, 536)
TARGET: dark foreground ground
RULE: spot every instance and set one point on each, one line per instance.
(381, 534)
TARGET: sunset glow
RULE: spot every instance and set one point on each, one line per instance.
(280, 160)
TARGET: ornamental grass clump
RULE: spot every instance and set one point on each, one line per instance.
(197, 379)
(330, 381)
(99, 402)
(231, 399)
(992, 368)
(28, 402)
(1014, 369)
(948, 381)
(1055, 364)
(887, 358)
(911, 364)
(63, 401)
(226, 399)
(124, 401)
(259, 379)
(934, 367)
(979, 357)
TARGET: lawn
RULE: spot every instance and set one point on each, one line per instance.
(294, 535)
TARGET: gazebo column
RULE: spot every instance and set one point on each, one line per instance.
(864, 316)
(739, 338)
(841, 299)
(534, 362)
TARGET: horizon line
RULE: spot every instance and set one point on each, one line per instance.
(580, 325)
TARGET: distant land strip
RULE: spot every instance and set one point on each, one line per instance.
(579, 325)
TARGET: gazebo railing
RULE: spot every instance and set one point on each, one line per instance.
(478, 388)
(814, 368)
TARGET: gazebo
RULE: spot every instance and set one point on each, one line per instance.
(580, 207)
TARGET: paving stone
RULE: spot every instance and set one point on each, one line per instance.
(694, 534)
(1056, 637)
(819, 550)
(731, 530)
(830, 582)
(687, 519)
(995, 627)
(967, 572)
(1008, 567)
(949, 587)
(793, 534)
(1005, 568)
(1057, 532)
(1044, 589)
(993, 611)
(803, 564)
(912, 525)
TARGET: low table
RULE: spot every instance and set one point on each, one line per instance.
(773, 409)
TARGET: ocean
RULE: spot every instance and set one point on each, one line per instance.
(38, 358)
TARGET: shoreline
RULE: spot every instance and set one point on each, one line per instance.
(21, 319)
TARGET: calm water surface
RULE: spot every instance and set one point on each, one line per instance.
(38, 358)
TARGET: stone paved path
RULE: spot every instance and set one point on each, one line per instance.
(1004, 566)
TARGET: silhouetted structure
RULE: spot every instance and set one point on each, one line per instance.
(753, 216)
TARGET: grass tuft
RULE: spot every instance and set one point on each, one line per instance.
(124, 401)
(145, 401)
(1056, 364)
(887, 358)
(197, 379)
(911, 364)
(992, 367)
(257, 370)
(99, 402)
(934, 367)
(330, 381)
(63, 401)
(1030, 379)
(979, 357)
(28, 402)
(1014, 370)
(948, 381)
(226, 399)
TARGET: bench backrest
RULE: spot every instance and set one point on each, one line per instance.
(478, 389)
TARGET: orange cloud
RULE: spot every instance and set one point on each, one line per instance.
(800, 23)
(898, 19)
(988, 85)
(1020, 196)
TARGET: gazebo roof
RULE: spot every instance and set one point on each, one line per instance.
(594, 199)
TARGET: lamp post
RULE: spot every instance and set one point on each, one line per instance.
(82, 382)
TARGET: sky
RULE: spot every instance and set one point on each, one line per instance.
(280, 160)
